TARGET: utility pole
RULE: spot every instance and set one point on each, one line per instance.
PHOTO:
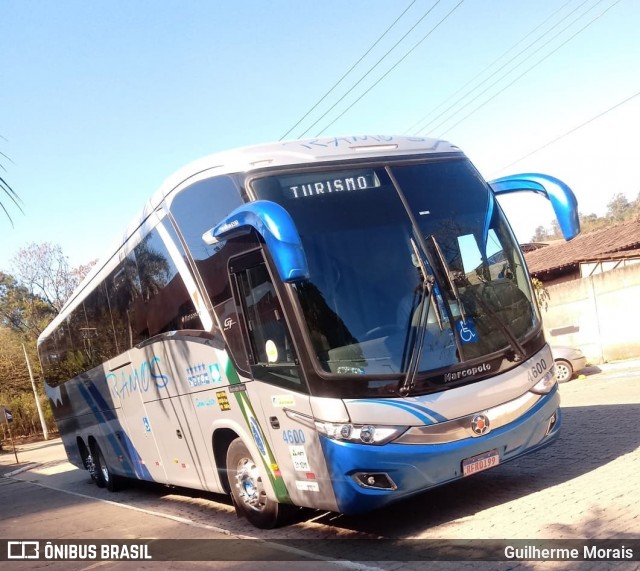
(45, 432)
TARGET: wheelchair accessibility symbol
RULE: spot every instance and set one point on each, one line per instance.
(467, 331)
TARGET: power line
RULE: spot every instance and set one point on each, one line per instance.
(446, 100)
(532, 67)
(518, 65)
(369, 71)
(393, 67)
(348, 71)
(570, 132)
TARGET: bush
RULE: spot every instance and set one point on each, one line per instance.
(26, 421)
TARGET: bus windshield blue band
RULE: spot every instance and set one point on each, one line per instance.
(279, 231)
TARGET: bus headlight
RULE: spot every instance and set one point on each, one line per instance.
(360, 433)
(546, 383)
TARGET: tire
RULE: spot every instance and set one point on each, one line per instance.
(105, 477)
(564, 371)
(248, 491)
(91, 467)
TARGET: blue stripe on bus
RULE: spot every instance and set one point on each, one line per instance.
(133, 464)
(412, 408)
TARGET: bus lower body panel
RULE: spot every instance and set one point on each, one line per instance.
(368, 477)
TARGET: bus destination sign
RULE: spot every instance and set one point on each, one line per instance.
(328, 183)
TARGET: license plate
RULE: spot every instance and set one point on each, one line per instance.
(480, 462)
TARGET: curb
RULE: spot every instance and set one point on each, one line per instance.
(24, 468)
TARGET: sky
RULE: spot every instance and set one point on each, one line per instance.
(101, 101)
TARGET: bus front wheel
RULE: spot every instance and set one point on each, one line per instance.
(248, 490)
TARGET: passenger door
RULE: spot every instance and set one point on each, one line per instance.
(279, 394)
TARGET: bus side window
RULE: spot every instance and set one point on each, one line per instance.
(123, 291)
(272, 354)
(200, 206)
(264, 317)
(98, 337)
(165, 304)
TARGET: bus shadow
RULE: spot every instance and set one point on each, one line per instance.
(591, 437)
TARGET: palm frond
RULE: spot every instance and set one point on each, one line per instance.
(4, 185)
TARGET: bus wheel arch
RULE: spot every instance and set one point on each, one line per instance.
(221, 440)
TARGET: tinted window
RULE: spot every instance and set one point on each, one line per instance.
(164, 304)
(71, 349)
(77, 357)
(123, 292)
(271, 347)
(200, 207)
(50, 359)
(142, 297)
(98, 335)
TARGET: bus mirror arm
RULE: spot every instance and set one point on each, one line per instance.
(278, 230)
(562, 199)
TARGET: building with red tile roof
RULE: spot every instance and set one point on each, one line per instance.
(594, 252)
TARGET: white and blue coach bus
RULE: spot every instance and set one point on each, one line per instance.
(331, 323)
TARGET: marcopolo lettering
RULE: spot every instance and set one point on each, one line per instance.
(464, 373)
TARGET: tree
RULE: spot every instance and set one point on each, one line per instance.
(635, 207)
(28, 302)
(21, 311)
(44, 270)
(540, 234)
(14, 374)
(618, 207)
(542, 294)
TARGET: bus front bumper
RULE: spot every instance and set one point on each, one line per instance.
(402, 470)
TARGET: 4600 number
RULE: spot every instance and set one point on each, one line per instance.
(538, 369)
(295, 436)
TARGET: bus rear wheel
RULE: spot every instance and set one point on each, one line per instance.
(248, 490)
(91, 467)
(105, 477)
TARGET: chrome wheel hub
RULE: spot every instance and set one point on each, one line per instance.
(249, 485)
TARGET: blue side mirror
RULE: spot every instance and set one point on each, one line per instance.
(277, 228)
(562, 199)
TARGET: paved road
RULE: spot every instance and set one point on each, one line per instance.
(585, 486)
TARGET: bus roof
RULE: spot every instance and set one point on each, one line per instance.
(246, 159)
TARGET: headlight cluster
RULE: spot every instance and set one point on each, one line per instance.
(360, 433)
(546, 383)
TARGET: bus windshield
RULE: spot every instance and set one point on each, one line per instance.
(377, 239)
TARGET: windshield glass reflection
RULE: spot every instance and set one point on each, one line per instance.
(366, 288)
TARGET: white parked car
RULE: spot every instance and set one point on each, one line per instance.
(568, 362)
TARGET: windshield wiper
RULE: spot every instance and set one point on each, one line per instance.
(452, 278)
(423, 306)
(447, 272)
